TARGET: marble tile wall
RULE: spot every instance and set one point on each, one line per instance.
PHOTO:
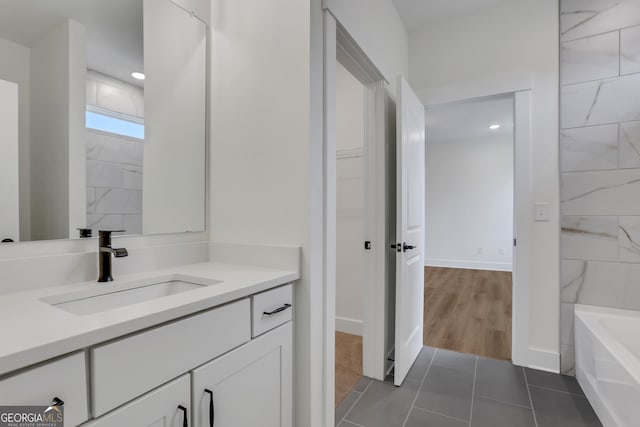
(599, 159)
(114, 163)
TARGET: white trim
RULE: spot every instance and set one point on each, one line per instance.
(350, 153)
(337, 39)
(543, 360)
(522, 224)
(349, 326)
(115, 114)
(373, 345)
(329, 178)
(470, 265)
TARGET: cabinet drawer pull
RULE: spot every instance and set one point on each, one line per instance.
(212, 413)
(185, 422)
(56, 402)
(277, 310)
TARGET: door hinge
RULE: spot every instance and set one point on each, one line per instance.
(514, 242)
(367, 245)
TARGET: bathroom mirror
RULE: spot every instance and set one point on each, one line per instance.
(102, 117)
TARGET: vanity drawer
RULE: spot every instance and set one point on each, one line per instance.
(271, 308)
(159, 407)
(65, 379)
(125, 369)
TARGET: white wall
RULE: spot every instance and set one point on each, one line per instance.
(469, 204)
(15, 62)
(261, 162)
(378, 29)
(9, 148)
(174, 149)
(58, 195)
(511, 46)
(350, 256)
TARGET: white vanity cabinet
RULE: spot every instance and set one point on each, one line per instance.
(65, 379)
(166, 406)
(250, 386)
(233, 360)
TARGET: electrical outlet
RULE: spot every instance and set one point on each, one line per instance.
(541, 212)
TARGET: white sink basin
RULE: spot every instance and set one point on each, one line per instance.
(114, 295)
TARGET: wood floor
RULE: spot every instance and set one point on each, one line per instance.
(468, 311)
(348, 364)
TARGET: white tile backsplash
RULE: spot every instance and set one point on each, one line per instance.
(104, 222)
(103, 174)
(630, 50)
(629, 145)
(601, 102)
(589, 148)
(589, 237)
(111, 148)
(566, 323)
(118, 201)
(590, 58)
(612, 192)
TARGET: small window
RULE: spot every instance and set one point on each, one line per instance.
(106, 123)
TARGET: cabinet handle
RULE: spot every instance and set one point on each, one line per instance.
(56, 402)
(212, 412)
(185, 421)
(277, 310)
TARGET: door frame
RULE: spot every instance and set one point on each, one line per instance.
(521, 354)
(339, 46)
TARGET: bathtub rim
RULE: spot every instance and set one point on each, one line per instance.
(590, 315)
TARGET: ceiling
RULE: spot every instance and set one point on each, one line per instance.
(114, 29)
(418, 13)
(470, 120)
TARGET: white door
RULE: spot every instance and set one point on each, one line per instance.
(410, 118)
(250, 386)
(9, 208)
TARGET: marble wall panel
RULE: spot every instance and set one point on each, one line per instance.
(614, 192)
(629, 148)
(629, 238)
(600, 102)
(630, 50)
(589, 148)
(590, 58)
(589, 237)
(583, 18)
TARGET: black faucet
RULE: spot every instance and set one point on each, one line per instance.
(104, 254)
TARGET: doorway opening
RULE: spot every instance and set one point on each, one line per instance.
(350, 231)
(470, 226)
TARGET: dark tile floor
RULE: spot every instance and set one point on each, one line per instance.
(448, 389)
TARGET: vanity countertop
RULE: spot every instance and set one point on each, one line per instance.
(34, 331)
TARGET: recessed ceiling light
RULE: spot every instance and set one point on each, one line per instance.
(137, 75)
(494, 127)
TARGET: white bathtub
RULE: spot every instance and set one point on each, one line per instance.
(608, 362)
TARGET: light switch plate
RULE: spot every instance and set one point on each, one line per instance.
(541, 212)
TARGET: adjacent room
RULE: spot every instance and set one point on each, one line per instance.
(469, 226)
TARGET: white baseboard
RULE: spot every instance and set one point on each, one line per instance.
(543, 360)
(349, 326)
(470, 265)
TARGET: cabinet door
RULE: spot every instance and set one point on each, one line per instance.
(250, 386)
(166, 406)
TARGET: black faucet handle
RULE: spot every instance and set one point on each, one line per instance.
(108, 232)
(120, 252)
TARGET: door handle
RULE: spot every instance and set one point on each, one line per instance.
(212, 413)
(185, 421)
(406, 247)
